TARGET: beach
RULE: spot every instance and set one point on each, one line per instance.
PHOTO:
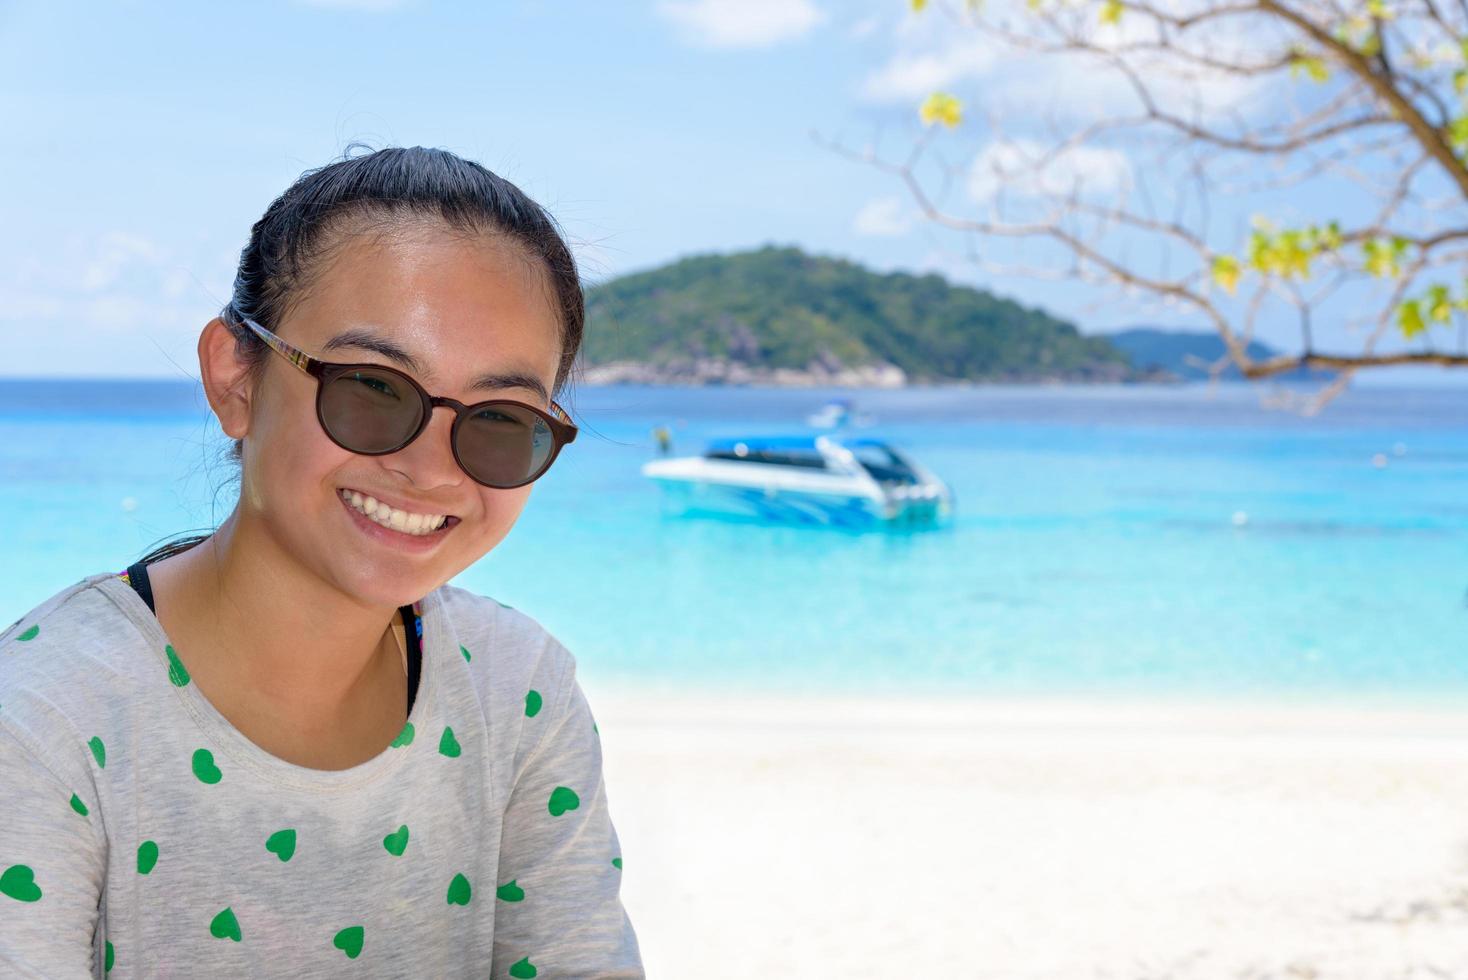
(1046, 837)
(1121, 540)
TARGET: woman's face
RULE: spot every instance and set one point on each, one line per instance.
(462, 308)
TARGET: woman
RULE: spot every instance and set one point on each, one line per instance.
(288, 748)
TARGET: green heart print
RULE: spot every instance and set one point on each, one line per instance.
(29, 634)
(205, 768)
(147, 856)
(617, 863)
(225, 926)
(19, 882)
(177, 675)
(465, 651)
(99, 751)
(405, 737)
(349, 941)
(78, 805)
(397, 841)
(459, 892)
(523, 969)
(510, 891)
(448, 745)
(533, 702)
(282, 843)
(562, 798)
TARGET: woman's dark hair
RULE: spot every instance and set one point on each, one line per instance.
(393, 186)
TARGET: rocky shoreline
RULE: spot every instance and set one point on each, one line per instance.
(714, 371)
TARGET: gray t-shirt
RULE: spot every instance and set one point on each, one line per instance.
(142, 835)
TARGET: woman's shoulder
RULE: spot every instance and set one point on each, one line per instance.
(61, 663)
(67, 601)
(509, 654)
(79, 629)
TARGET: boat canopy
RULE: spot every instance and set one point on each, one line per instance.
(874, 455)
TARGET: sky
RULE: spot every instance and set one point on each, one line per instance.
(144, 140)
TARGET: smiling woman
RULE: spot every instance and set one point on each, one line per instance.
(289, 742)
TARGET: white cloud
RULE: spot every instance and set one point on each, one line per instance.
(28, 307)
(177, 282)
(1012, 166)
(883, 217)
(740, 23)
(116, 312)
(98, 295)
(116, 251)
(911, 75)
(935, 53)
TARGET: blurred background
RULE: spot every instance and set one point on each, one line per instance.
(1128, 633)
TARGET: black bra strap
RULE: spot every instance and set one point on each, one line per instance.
(412, 625)
(137, 577)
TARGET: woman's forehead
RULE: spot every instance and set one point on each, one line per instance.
(511, 369)
(439, 307)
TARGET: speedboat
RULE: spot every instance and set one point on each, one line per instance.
(824, 480)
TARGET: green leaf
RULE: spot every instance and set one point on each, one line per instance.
(1292, 254)
(1439, 305)
(1260, 251)
(1226, 272)
(1330, 238)
(1382, 258)
(1309, 64)
(1458, 132)
(1409, 318)
(941, 107)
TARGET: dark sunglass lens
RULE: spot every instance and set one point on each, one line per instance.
(370, 411)
(503, 445)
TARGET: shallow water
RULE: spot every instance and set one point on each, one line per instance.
(1096, 546)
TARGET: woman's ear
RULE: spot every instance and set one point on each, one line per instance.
(226, 378)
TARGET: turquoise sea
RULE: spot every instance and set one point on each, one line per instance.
(1095, 548)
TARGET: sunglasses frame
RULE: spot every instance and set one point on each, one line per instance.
(563, 430)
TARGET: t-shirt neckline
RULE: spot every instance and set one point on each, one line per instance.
(241, 750)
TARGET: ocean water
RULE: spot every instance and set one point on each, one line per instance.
(1095, 548)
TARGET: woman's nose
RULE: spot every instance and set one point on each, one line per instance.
(428, 460)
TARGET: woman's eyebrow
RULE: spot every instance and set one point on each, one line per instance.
(493, 381)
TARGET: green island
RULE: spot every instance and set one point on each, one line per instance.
(780, 316)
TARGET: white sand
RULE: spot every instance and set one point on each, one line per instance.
(980, 838)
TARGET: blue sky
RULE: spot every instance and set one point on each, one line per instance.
(145, 138)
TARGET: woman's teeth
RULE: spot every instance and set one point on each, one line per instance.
(398, 520)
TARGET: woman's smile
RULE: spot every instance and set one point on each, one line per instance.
(396, 527)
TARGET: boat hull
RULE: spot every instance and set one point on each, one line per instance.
(807, 508)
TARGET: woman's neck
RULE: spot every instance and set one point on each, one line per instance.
(304, 671)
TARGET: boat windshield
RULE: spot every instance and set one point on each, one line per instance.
(884, 465)
(777, 457)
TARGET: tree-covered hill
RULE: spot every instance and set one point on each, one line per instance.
(746, 315)
(1187, 354)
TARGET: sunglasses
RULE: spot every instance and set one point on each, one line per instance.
(375, 410)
